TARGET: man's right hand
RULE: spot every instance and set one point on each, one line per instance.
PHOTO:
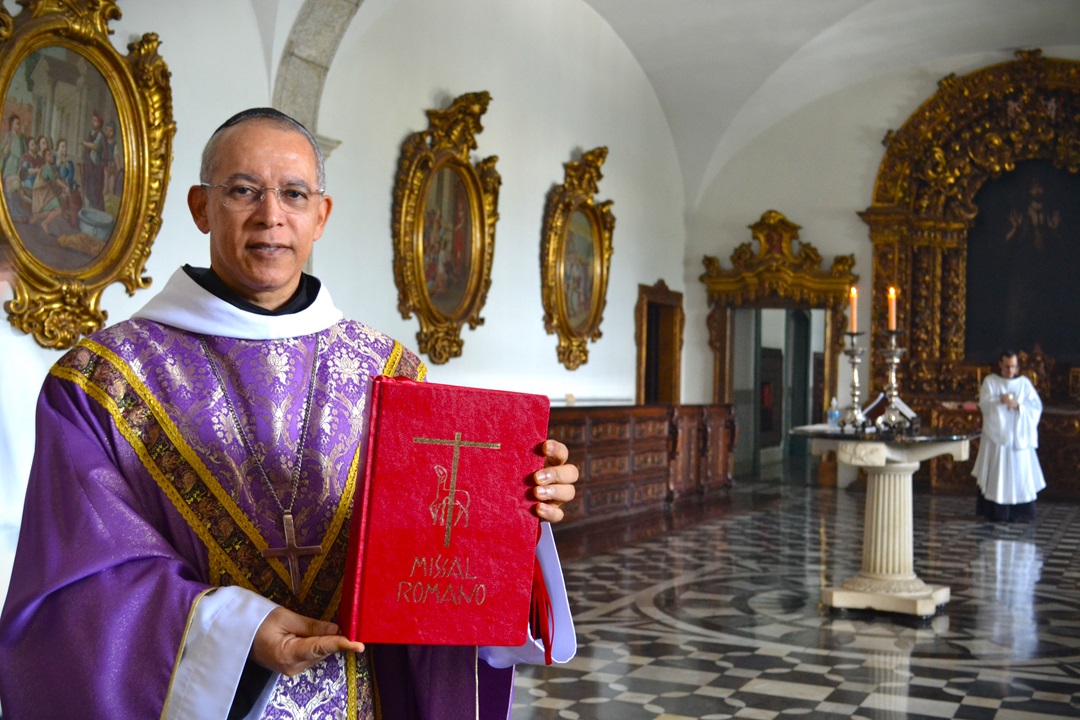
(290, 643)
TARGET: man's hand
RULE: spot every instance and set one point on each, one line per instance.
(555, 483)
(289, 643)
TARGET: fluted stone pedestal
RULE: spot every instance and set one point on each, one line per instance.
(887, 581)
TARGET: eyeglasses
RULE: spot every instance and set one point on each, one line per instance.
(242, 196)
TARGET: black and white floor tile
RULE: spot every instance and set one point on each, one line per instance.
(723, 620)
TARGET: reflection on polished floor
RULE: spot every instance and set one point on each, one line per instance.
(716, 614)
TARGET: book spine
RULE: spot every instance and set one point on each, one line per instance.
(352, 584)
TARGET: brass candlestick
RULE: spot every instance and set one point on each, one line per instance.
(853, 414)
(892, 418)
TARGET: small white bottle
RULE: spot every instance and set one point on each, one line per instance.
(832, 415)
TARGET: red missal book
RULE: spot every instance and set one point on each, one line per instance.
(443, 538)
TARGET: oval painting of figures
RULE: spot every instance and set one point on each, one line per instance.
(61, 158)
(578, 273)
(447, 241)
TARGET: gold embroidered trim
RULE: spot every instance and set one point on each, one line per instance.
(225, 531)
(353, 708)
(394, 359)
(137, 444)
(181, 445)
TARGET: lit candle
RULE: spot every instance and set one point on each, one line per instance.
(892, 308)
(854, 298)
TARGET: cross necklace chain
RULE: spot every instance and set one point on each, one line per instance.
(291, 552)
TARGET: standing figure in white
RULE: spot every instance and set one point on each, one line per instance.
(1007, 467)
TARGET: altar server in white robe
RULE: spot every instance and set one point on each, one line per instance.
(1007, 466)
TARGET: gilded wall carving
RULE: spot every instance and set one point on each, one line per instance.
(973, 129)
(782, 272)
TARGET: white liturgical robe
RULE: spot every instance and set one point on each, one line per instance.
(1007, 466)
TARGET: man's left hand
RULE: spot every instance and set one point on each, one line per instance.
(555, 483)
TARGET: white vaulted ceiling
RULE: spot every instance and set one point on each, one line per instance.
(726, 70)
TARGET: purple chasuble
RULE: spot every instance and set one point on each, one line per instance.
(143, 497)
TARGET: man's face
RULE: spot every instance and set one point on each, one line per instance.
(1009, 366)
(260, 251)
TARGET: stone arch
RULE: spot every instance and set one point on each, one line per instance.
(306, 59)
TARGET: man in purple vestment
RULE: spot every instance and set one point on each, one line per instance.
(186, 522)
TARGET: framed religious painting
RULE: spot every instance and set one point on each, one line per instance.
(85, 150)
(445, 208)
(575, 258)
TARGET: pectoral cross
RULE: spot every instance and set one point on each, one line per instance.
(292, 552)
(458, 443)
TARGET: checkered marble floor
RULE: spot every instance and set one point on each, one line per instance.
(723, 620)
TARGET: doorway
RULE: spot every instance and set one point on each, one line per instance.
(778, 384)
(658, 333)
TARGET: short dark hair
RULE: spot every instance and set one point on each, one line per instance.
(1005, 353)
(274, 117)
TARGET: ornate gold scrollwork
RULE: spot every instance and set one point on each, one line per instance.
(443, 225)
(78, 226)
(780, 273)
(575, 257)
(975, 128)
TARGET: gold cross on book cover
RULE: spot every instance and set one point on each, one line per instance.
(447, 499)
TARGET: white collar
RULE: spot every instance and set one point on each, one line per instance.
(186, 305)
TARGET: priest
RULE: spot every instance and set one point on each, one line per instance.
(1007, 466)
(187, 516)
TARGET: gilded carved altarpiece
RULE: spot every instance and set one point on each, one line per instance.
(974, 130)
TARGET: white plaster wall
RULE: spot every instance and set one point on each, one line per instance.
(561, 82)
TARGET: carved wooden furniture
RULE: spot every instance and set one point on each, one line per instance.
(974, 129)
(634, 459)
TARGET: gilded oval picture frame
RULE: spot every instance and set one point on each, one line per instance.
(575, 259)
(443, 225)
(85, 150)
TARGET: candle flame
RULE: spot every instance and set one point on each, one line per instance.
(892, 292)
(854, 292)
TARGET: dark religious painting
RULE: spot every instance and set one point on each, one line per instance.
(1023, 265)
